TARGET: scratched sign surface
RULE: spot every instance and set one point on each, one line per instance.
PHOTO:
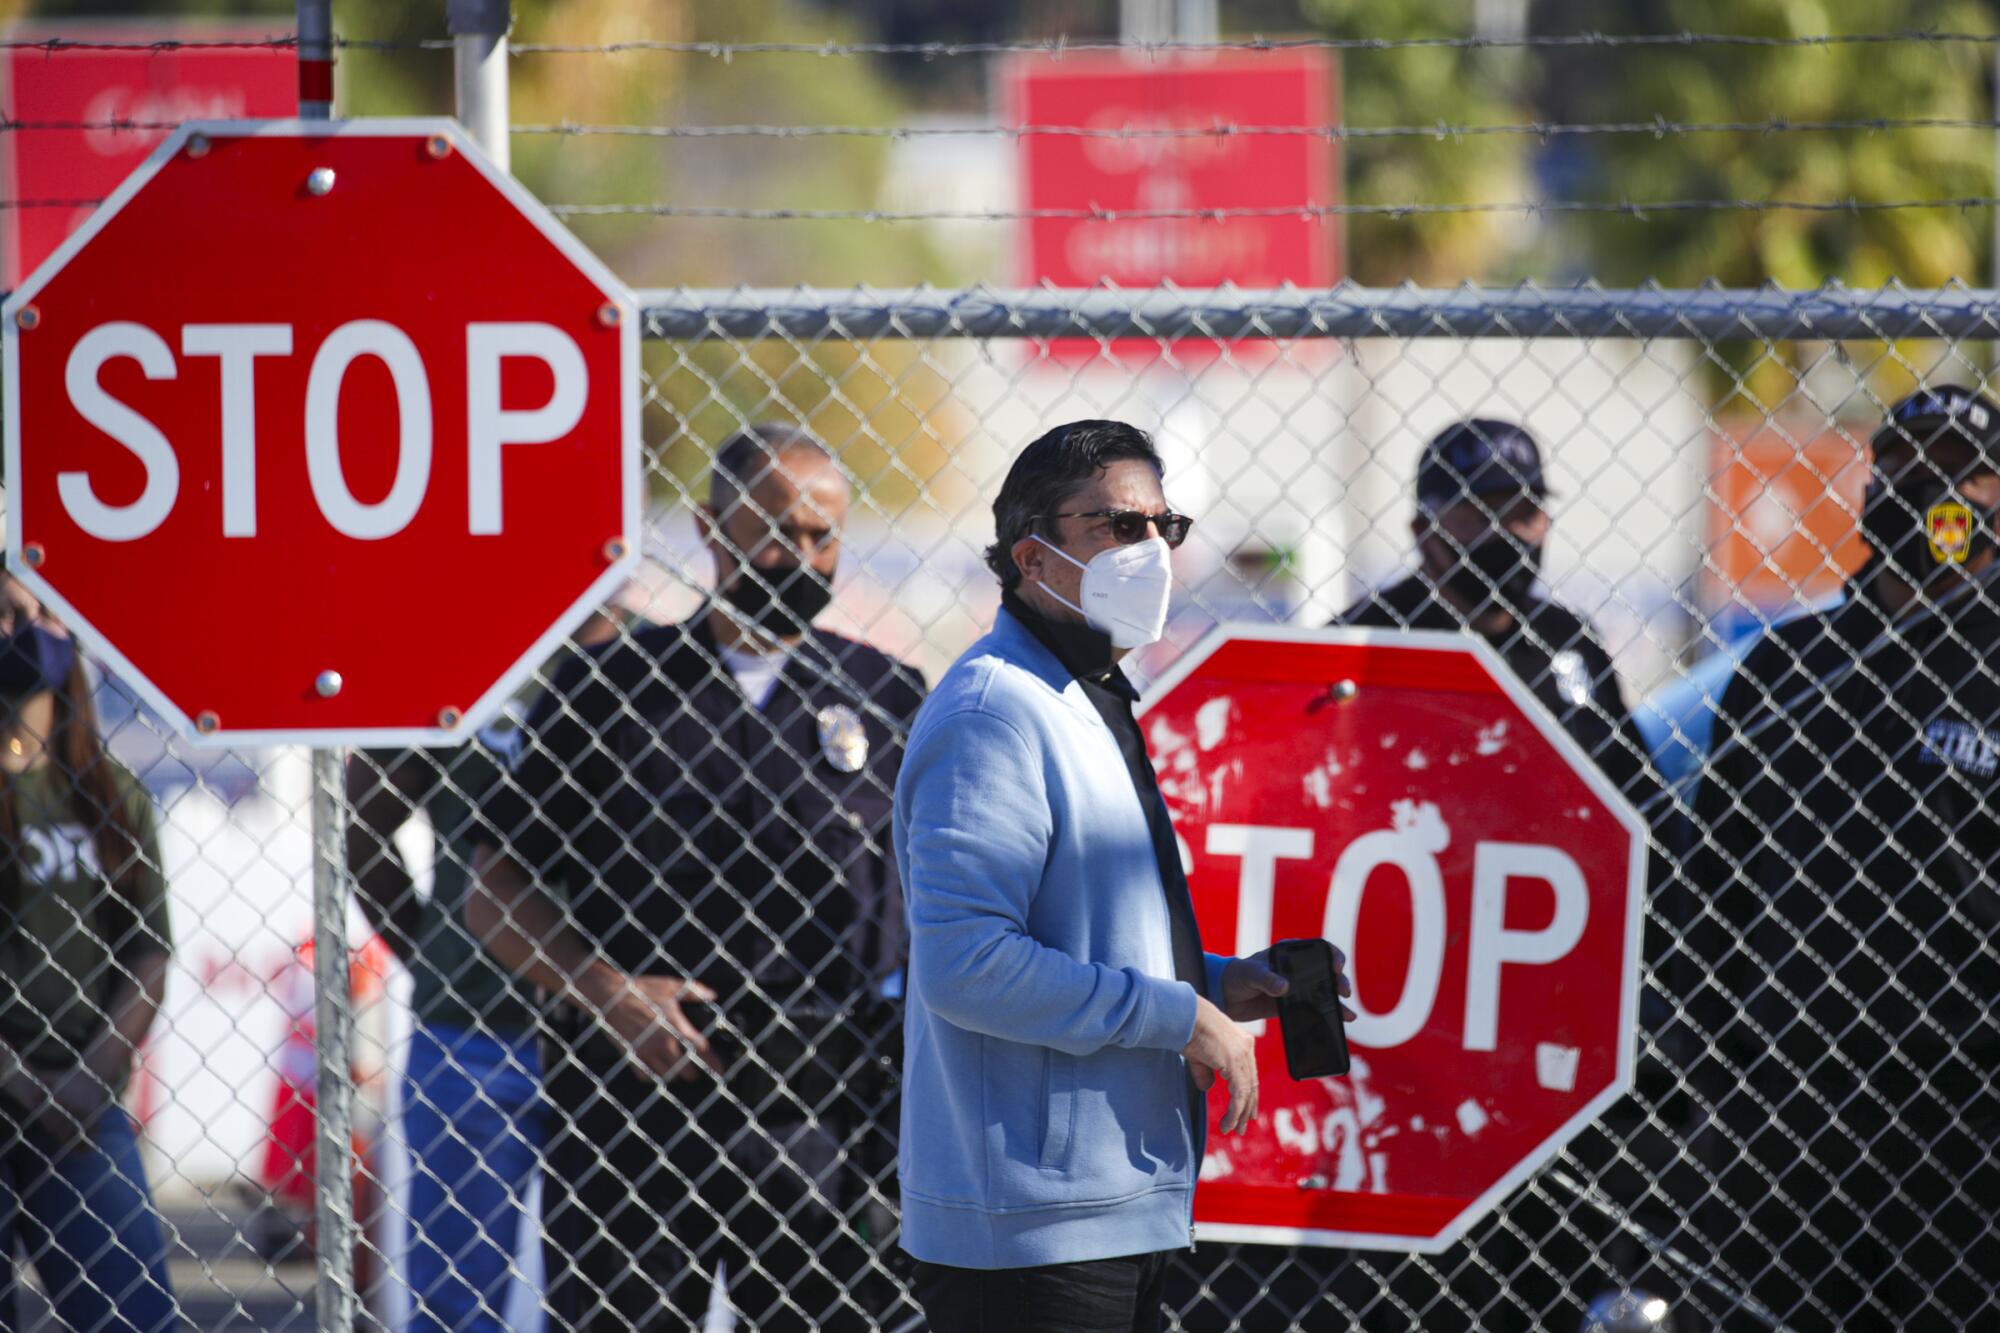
(1404, 797)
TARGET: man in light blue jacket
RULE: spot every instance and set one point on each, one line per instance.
(1062, 1020)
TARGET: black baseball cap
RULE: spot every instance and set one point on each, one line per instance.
(1480, 457)
(1946, 412)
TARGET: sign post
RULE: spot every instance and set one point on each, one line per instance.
(1403, 795)
(336, 1298)
(1124, 162)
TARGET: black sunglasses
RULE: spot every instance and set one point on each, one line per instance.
(1129, 525)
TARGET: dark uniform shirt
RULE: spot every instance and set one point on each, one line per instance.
(696, 835)
(1856, 818)
(1844, 979)
(68, 933)
(1788, 668)
(1557, 655)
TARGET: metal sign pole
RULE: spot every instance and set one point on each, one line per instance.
(479, 63)
(335, 1299)
(333, 1014)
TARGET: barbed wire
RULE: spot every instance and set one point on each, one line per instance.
(167, 45)
(59, 45)
(1659, 127)
(1055, 47)
(116, 123)
(1059, 46)
(49, 203)
(1311, 212)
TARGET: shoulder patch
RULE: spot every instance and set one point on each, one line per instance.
(1949, 743)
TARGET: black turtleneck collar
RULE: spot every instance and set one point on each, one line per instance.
(1084, 651)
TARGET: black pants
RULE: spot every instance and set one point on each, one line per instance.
(652, 1187)
(1103, 1296)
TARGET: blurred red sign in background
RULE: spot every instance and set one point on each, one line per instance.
(105, 109)
(1107, 135)
(1121, 135)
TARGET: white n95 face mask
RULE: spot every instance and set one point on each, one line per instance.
(1125, 590)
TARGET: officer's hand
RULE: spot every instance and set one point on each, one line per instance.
(1221, 1047)
(1250, 989)
(646, 1014)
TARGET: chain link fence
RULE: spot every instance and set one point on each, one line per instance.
(1810, 1141)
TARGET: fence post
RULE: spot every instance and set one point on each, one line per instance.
(479, 64)
(315, 20)
(335, 1299)
(333, 1014)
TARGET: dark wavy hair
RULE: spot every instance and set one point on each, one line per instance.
(1048, 473)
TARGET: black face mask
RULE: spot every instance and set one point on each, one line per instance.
(1921, 529)
(799, 597)
(33, 660)
(1499, 567)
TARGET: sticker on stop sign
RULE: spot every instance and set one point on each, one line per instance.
(1404, 796)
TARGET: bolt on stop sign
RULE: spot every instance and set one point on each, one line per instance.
(1405, 796)
(322, 432)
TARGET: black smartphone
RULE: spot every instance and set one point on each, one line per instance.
(1309, 1013)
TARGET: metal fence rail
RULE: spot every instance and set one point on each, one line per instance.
(1831, 313)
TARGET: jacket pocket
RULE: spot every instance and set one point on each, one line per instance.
(1058, 1108)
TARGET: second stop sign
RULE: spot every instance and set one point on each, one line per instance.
(1404, 796)
(322, 431)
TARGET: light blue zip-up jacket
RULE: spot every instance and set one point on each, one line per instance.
(1045, 1101)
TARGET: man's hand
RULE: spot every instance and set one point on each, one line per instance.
(1221, 1047)
(1251, 990)
(646, 1014)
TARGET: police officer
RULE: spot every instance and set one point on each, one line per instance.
(712, 798)
(1850, 978)
(1481, 527)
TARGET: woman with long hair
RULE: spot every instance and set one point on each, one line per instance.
(83, 961)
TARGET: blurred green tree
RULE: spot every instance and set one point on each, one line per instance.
(873, 404)
(1897, 80)
(1428, 86)
(1794, 248)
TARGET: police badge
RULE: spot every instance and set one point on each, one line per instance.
(1948, 524)
(842, 738)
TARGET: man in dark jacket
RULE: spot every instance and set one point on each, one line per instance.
(1848, 974)
(693, 853)
(1481, 527)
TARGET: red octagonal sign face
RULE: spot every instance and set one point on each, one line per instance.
(1404, 796)
(322, 432)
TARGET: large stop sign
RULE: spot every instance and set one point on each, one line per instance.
(1404, 796)
(322, 432)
